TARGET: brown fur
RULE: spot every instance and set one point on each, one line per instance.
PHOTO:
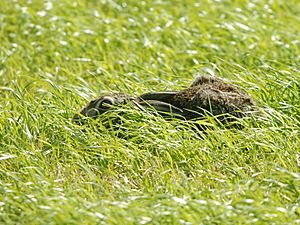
(210, 94)
(90, 110)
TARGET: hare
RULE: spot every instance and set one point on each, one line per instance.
(206, 95)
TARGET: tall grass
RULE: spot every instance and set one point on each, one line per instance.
(57, 55)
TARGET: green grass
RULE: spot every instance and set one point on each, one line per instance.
(57, 55)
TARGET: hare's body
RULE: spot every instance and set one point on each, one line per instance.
(206, 95)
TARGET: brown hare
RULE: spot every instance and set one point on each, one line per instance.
(206, 95)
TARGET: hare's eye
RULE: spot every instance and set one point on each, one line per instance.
(104, 102)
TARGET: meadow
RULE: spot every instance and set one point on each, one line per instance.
(57, 55)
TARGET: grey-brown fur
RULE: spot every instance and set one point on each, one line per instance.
(102, 104)
(206, 95)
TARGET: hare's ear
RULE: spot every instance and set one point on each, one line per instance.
(166, 109)
(165, 96)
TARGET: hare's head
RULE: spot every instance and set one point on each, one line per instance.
(102, 104)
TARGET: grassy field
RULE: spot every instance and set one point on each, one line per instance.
(56, 55)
